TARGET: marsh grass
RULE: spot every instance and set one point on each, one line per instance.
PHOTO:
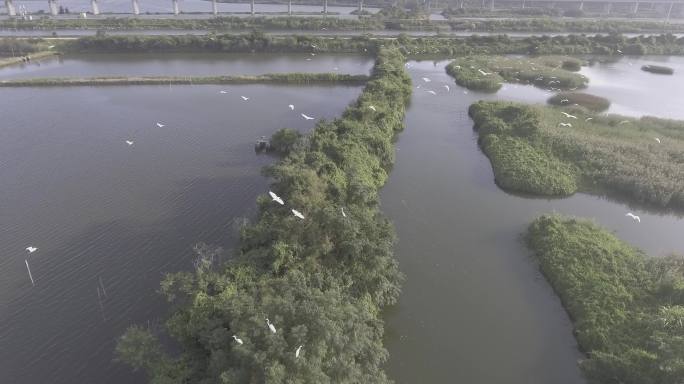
(590, 102)
(488, 73)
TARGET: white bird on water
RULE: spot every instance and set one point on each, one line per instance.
(31, 249)
(633, 216)
(447, 87)
(372, 107)
(299, 349)
(276, 198)
(160, 125)
(432, 92)
(297, 213)
(657, 139)
(291, 106)
(245, 98)
(223, 92)
(565, 125)
(306, 117)
(569, 115)
(129, 142)
(237, 339)
(270, 326)
(425, 79)
(29, 272)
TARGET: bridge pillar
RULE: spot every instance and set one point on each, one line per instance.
(11, 10)
(251, 7)
(214, 7)
(607, 8)
(136, 7)
(636, 8)
(52, 4)
(289, 7)
(483, 4)
(325, 7)
(360, 6)
(523, 4)
(491, 5)
(669, 11)
(176, 7)
(95, 7)
(461, 4)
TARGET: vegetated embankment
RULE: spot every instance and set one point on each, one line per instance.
(627, 309)
(555, 152)
(320, 280)
(591, 102)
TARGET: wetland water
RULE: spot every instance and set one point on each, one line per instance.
(98, 208)
(474, 308)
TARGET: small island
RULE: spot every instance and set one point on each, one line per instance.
(658, 69)
(590, 102)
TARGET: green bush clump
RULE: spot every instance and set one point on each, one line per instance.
(591, 102)
(627, 310)
(487, 73)
(321, 281)
(659, 69)
(637, 159)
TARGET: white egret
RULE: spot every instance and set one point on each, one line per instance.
(589, 118)
(484, 73)
(223, 92)
(297, 213)
(619, 51)
(308, 59)
(129, 142)
(160, 125)
(425, 79)
(299, 349)
(238, 340)
(564, 101)
(31, 249)
(29, 272)
(270, 326)
(569, 115)
(447, 87)
(623, 122)
(465, 92)
(657, 139)
(565, 125)
(306, 117)
(343, 214)
(291, 106)
(244, 98)
(431, 92)
(372, 107)
(276, 198)
(633, 216)
(50, 46)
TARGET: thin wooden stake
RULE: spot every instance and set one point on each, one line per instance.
(99, 299)
(102, 285)
(29, 271)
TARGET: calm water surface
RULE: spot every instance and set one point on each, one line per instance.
(98, 208)
(187, 64)
(474, 308)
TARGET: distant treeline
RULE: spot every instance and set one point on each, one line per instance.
(411, 46)
(321, 280)
(627, 309)
(391, 18)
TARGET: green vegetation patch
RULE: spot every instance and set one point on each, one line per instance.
(640, 159)
(591, 102)
(487, 73)
(658, 69)
(320, 280)
(628, 310)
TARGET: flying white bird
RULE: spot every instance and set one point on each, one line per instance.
(306, 117)
(129, 142)
(633, 216)
(297, 213)
(569, 115)
(160, 125)
(431, 92)
(237, 339)
(270, 326)
(343, 214)
(565, 125)
(425, 79)
(244, 98)
(299, 349)
(657, 139)
(447, 87)
(223, 92)
(619, 51)
(29, 272)
(31, 249)
(276, 198)
(589, 118)
(372, 107)
(291, 107)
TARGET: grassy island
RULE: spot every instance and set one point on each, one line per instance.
(590, 102)
(488, 73)
(627, 309)
(554, 152)
(658, 69)
(321, 280)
